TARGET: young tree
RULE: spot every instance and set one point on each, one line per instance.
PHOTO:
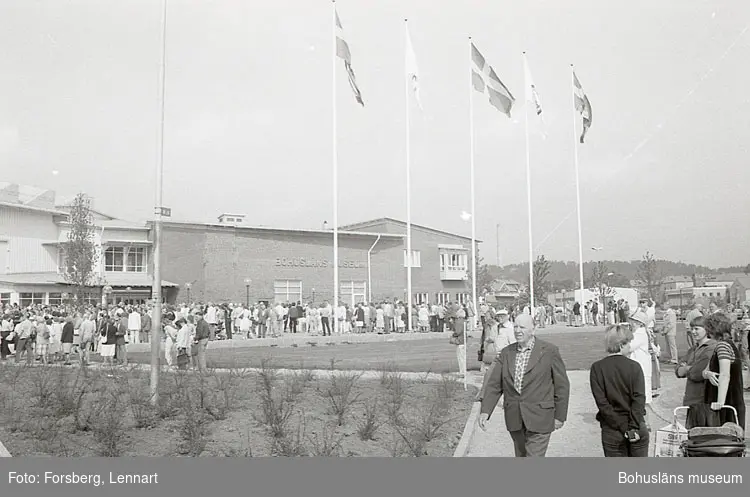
(80, 251)
(600, 283)
(541, 272)
(649, 274)
(484, 276)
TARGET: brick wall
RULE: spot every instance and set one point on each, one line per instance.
(218, 259)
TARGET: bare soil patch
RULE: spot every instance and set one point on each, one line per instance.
(71, 412)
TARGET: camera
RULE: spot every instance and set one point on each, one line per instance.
(632, 435)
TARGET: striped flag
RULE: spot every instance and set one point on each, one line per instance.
(412, 72)
(484, 78)
(583, 106)
(342, 51)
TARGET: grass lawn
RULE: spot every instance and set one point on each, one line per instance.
(578, 349)
(60, 411)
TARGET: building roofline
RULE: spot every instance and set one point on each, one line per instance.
(413, 225)
(32, 208)
(267, 229)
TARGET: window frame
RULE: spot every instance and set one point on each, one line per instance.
(276, 286)
(352, 291)
(442, 298)
(36, 298)
(416, 258)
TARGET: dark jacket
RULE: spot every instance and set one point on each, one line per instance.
(545, 393)
(619, 391)
(202, 330)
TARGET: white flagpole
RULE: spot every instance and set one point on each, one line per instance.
(408, 179)
(471, 177)
(578, 189)
(528, 198)
(156, 287)
(335, 306)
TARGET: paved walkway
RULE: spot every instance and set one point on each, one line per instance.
(581, 435)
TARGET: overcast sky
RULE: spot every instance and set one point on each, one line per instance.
(249, 116)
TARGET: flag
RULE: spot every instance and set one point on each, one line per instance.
(583, 106)
(342, 51)
(531, 94)
(484, 77)
(412, 72)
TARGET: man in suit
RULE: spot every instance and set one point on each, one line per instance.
(531, 374)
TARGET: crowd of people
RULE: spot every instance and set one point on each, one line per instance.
(622, 384)
(57, 333)
(530, 374)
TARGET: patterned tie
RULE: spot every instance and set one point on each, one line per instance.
(518, 376)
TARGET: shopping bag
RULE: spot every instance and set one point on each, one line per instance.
(669, 439)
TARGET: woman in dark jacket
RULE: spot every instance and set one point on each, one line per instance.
(619, 390)
(723, 376)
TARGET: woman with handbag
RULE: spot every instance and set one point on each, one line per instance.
(182, 344)
(619, 390)
(457, 338)
(170, 338)
(724, 386)
(108, 341)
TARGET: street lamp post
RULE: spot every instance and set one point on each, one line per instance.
(313, 295)
(247, 291)
(188, 286)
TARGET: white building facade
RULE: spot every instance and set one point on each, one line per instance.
(33, 235)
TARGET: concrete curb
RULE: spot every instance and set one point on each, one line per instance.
(3, 451)
(468, 435)
(308, 341)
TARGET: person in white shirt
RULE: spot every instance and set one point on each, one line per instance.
(213, 323)
(134, 325)
(649, 307)
(341, 318)
(277, 320)
(325, 318)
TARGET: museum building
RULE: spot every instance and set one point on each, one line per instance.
(229, 261)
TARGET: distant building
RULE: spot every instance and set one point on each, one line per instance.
(739, 292)
(504, 292)
(687, 297)
(677, 282)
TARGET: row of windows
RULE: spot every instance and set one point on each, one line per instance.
(117, 259)
(441, 298)
(30, 298)
(350, 292)
(353, 292)
(448, 261)
(125, 259)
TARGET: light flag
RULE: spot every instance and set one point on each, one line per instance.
(342, 51)
(583, 105)
(532, 95)
(412, 71)
(485, 79)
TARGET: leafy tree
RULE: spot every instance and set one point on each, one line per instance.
(600, 283)
(80, 250)
(541, 271)
(648, 273)
(484, 276)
